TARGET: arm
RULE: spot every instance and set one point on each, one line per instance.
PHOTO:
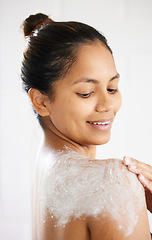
(126, 216)
(107, 229)
(144, 174)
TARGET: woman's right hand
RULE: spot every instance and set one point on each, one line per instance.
(144, 174)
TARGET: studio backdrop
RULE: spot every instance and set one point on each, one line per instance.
(127, 24)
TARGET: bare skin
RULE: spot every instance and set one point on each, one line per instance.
(144, 174)
(93, 229)
(87, 95)
(86, 227)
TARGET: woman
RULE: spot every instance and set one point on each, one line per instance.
(69, 73)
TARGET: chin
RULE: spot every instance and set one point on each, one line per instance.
(96, 141)
(102, 141)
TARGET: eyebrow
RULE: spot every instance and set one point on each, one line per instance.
(88, 80)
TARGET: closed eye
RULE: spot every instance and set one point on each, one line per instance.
(85, 95)
(112, 90)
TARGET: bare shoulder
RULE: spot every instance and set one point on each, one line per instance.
(75, 229)
(104, 191)
(107, 228)
(126, 215)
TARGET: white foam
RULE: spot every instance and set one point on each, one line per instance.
(73, 185)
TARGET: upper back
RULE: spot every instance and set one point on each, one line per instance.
(74, 189)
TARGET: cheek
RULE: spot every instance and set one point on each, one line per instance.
(79, 109)
(68, 113)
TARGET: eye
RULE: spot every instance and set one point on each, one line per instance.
(112, 90)
(85, 95)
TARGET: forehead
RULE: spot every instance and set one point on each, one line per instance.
(96, 49)
(94, 61)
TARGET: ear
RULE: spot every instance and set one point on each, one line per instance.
(40, 102)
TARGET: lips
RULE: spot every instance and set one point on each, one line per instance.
(101, 124)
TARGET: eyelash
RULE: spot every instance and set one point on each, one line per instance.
(112, 90)
(85, 95)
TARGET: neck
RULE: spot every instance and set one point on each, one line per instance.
(55, 140)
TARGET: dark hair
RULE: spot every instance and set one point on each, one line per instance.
(51, 50)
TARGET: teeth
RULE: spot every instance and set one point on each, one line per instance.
(100, 123)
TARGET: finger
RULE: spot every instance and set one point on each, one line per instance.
(133, 168)
(138, 167)
(129, 160)
(145, 182)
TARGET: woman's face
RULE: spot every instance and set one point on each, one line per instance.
(87, 99)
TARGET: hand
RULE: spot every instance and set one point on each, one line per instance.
(144, 174)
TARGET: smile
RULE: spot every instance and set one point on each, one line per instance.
(100, 123)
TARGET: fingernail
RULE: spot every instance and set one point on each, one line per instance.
(133, 167)
(127, 160)
(142, 178)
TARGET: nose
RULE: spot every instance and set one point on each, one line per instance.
(104, 103)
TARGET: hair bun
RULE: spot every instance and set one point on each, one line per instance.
(33, 22)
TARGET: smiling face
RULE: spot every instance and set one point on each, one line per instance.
(87, 99)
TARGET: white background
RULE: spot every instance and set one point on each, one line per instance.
(127, 24)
